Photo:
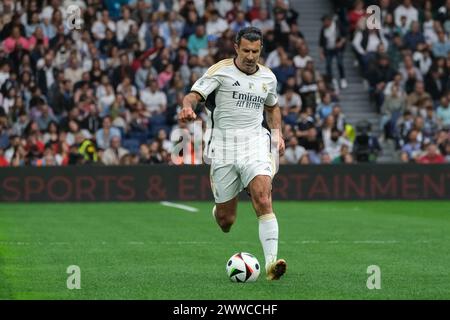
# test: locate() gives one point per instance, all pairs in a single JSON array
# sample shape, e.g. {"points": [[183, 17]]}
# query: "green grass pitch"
{"points": [[149, 251]]}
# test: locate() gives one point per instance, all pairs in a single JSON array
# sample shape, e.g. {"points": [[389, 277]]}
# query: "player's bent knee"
{"points": [[263, 202], [226, 222]]}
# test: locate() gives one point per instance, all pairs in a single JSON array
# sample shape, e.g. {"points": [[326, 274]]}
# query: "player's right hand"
{"points": [[187, 114]]}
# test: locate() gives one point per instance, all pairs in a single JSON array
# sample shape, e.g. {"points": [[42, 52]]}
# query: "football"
{"points": [[243, 267]]}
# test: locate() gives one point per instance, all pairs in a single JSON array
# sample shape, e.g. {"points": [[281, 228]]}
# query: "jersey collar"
{"points": [[249, 74]]}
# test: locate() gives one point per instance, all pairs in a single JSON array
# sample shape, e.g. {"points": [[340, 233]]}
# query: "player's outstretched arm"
{"points": [[273, 118], [190, 101]]}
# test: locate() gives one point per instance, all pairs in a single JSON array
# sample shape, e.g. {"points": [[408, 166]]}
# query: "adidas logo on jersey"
{"points": [[236, 84]]}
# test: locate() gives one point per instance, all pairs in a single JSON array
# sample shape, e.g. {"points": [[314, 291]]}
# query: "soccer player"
{"points": [[236, 93]]}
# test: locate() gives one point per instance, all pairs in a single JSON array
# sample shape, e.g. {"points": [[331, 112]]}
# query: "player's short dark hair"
{"points": [[250, 33]]}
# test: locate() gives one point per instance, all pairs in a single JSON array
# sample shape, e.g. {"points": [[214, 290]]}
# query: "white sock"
{"points": [[268, 235]]}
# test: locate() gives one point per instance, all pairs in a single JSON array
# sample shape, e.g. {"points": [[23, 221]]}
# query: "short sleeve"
{"points": [[272, 96], [205, 85]]}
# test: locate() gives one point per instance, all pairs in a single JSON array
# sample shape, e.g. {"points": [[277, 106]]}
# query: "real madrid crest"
{"points": [[264, 87]]}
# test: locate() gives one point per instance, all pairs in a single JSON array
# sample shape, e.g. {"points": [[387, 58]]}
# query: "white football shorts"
{"points": [[229, 179]]}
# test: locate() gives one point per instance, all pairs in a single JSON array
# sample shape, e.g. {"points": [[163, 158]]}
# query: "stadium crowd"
{"points": [[406, 65], [110, 91]]}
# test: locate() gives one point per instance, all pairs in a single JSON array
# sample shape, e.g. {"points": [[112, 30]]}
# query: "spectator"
{"points": [[126, 88], [422, 58], [33, 21], [52, 133], [74, 71], [402, 28], [393, 107], [293, 152], [332, 45], [339, 118], [285, 70], [254, 11], [366, 43], [3, 161], [431, 156], [412, 149], [21, 124], [145, 72], [408, 11], [333, 146], [46, 117], [394, 51], [274, 58], [239, 22], [281, 27], [356, 14], [198, 41], [165, 143], [326, 128], [302, 57], [73, 131], [38, 37], [192, 20], [165, 76], [109, 42], [304, 123], [4, 137], [429, 26], [45, 74], [325, 108], [389, 29], [435, 84], [312, 143], [443, 11], [325, 158], [124, 25], [431, 122], [153, 98], [216, 25], [443, 113], [144, 154], [155, 153], [447, 152], [305, 159], [16, 42], [441, 47], [123, 70], [290, 104], [416, 98], [232, 13], [264, 23], [308, 90], [414, 37], [101, 25], [104, 135], [410, 74], [344, 156], [172, 25], [114, 153]]}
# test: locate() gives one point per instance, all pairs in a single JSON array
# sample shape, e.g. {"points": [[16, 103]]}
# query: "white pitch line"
{"points": [[182, 243], [179, 206]]}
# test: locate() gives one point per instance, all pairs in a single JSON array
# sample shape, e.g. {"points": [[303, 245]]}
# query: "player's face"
{"points": [[248, 53]]}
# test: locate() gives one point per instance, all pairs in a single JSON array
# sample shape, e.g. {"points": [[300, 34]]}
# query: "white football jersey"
{"points": [[235, 104]]}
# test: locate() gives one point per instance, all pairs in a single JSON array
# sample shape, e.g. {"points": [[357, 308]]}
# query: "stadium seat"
{"points": [[132, 145], [140, 136]]}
